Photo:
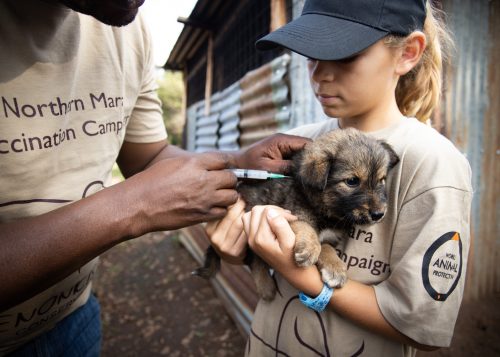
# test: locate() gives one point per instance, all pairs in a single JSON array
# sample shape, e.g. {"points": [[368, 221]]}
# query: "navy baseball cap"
{"points": [[338, 29]]}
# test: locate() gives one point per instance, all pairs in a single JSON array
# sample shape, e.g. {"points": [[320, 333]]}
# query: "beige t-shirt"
{"points": [[415, 258], [71, 91]]}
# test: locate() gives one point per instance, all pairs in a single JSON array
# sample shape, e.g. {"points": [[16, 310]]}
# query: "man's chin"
{"points": [[106, 15], [117, 20]]}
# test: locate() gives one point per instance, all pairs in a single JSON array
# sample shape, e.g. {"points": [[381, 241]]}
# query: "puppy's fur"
{"points": [[338, 181]]}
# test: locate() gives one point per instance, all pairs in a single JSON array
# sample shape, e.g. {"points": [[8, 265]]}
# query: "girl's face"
{"points": [[357, 88]]}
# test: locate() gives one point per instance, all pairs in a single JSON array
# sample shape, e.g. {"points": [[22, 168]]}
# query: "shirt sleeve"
{"points": [[422, 296], [146, 121]]}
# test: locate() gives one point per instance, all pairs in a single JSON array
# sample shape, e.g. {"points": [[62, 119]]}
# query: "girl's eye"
{"points": [[352, 182]]}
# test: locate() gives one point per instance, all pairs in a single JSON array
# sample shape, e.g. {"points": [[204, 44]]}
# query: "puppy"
{"points": [[338, 181]]}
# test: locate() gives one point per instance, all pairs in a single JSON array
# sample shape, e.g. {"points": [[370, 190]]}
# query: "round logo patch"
{"points": [[442, 266]]}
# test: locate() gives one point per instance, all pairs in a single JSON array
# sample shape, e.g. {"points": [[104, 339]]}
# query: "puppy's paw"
{"points": [[306, 254], [335, 276]]}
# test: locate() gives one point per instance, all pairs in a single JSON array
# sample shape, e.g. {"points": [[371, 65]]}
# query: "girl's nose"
{"points": [[321, 71]]}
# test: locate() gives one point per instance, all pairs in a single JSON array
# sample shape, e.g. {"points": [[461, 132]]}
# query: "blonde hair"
{"points": [[418, 92]]}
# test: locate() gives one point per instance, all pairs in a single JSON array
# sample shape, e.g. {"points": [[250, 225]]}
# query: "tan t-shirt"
{"points": [[71, 91], [415, 258]]}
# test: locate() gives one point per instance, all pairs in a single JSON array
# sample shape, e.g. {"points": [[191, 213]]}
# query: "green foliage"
{"points": [[116, 174], [171, 91]]}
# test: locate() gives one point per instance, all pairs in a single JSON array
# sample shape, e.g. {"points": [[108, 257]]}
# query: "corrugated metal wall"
{"points": [[229, 118], [265, 107], [470, 115], [207, 127], [255, 107], [218, 129], [190, 129]]}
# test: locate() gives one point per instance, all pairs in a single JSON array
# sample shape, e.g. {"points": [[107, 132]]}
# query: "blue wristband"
{"points": [[320, 302]]}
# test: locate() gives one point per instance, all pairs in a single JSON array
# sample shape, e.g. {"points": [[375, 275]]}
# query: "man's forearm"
{"points": [[169, 152], [272, 154], [37, 252]]}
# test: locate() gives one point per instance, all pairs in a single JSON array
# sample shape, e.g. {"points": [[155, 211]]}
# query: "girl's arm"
{"points": [[270, 236]]}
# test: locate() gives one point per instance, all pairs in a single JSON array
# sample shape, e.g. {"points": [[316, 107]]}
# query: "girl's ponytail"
{"points": [[419, 91]]}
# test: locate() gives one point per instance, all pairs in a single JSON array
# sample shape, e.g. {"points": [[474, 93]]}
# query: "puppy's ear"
{"points": [[313, 168], [393, 157]]}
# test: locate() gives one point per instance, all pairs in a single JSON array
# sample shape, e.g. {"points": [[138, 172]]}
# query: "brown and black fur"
{"points": [[338, 181]]}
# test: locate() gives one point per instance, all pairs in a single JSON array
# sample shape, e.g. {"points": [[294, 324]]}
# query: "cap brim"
{"points": [[322, 37]]}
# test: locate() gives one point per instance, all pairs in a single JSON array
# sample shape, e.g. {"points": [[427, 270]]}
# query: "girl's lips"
{"points": [[327, 100]]}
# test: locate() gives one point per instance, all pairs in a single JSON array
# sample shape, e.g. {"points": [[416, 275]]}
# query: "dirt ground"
{"points": [[152, 306]]}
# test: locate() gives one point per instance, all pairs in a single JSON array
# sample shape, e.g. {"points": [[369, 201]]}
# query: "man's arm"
{"points": [[37, 252], [272, 154], [167, 188], [135, 157]]}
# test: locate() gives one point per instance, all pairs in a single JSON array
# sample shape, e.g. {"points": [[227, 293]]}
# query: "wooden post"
{"points": [[210, 72], [278, 14]]}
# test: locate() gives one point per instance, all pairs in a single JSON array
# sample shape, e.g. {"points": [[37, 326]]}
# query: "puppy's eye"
{"points": [[352, 182]]}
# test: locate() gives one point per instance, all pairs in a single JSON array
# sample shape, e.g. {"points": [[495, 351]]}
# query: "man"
{"points": [[76, 96]]}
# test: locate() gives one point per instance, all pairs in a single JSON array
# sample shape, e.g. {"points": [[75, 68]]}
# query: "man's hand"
{"points": [[271, 154], [178, 192]]}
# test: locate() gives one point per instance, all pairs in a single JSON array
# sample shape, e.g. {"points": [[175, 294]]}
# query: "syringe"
{"points": [[257, 174]]}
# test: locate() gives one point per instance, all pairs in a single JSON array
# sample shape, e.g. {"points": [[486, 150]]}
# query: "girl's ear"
{"points": [[411, 52]]}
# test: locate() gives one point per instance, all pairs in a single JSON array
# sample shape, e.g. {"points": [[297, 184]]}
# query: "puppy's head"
{"points": [[343, 174]]}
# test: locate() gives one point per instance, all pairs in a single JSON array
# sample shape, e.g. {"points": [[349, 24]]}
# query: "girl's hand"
{"points": [[271, 237], [276, 248], [227, 235]]}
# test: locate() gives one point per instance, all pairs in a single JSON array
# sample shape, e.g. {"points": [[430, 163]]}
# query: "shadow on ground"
{"points": [[152, 306]]}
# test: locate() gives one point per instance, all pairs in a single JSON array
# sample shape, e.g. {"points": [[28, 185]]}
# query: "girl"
{"points": [[374, 66]]}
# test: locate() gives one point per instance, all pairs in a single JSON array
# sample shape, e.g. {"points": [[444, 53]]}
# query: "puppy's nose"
{"points": [[376, 216]]}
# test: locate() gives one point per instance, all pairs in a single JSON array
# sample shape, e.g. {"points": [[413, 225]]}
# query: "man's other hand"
{"points": [[271, 154]]}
